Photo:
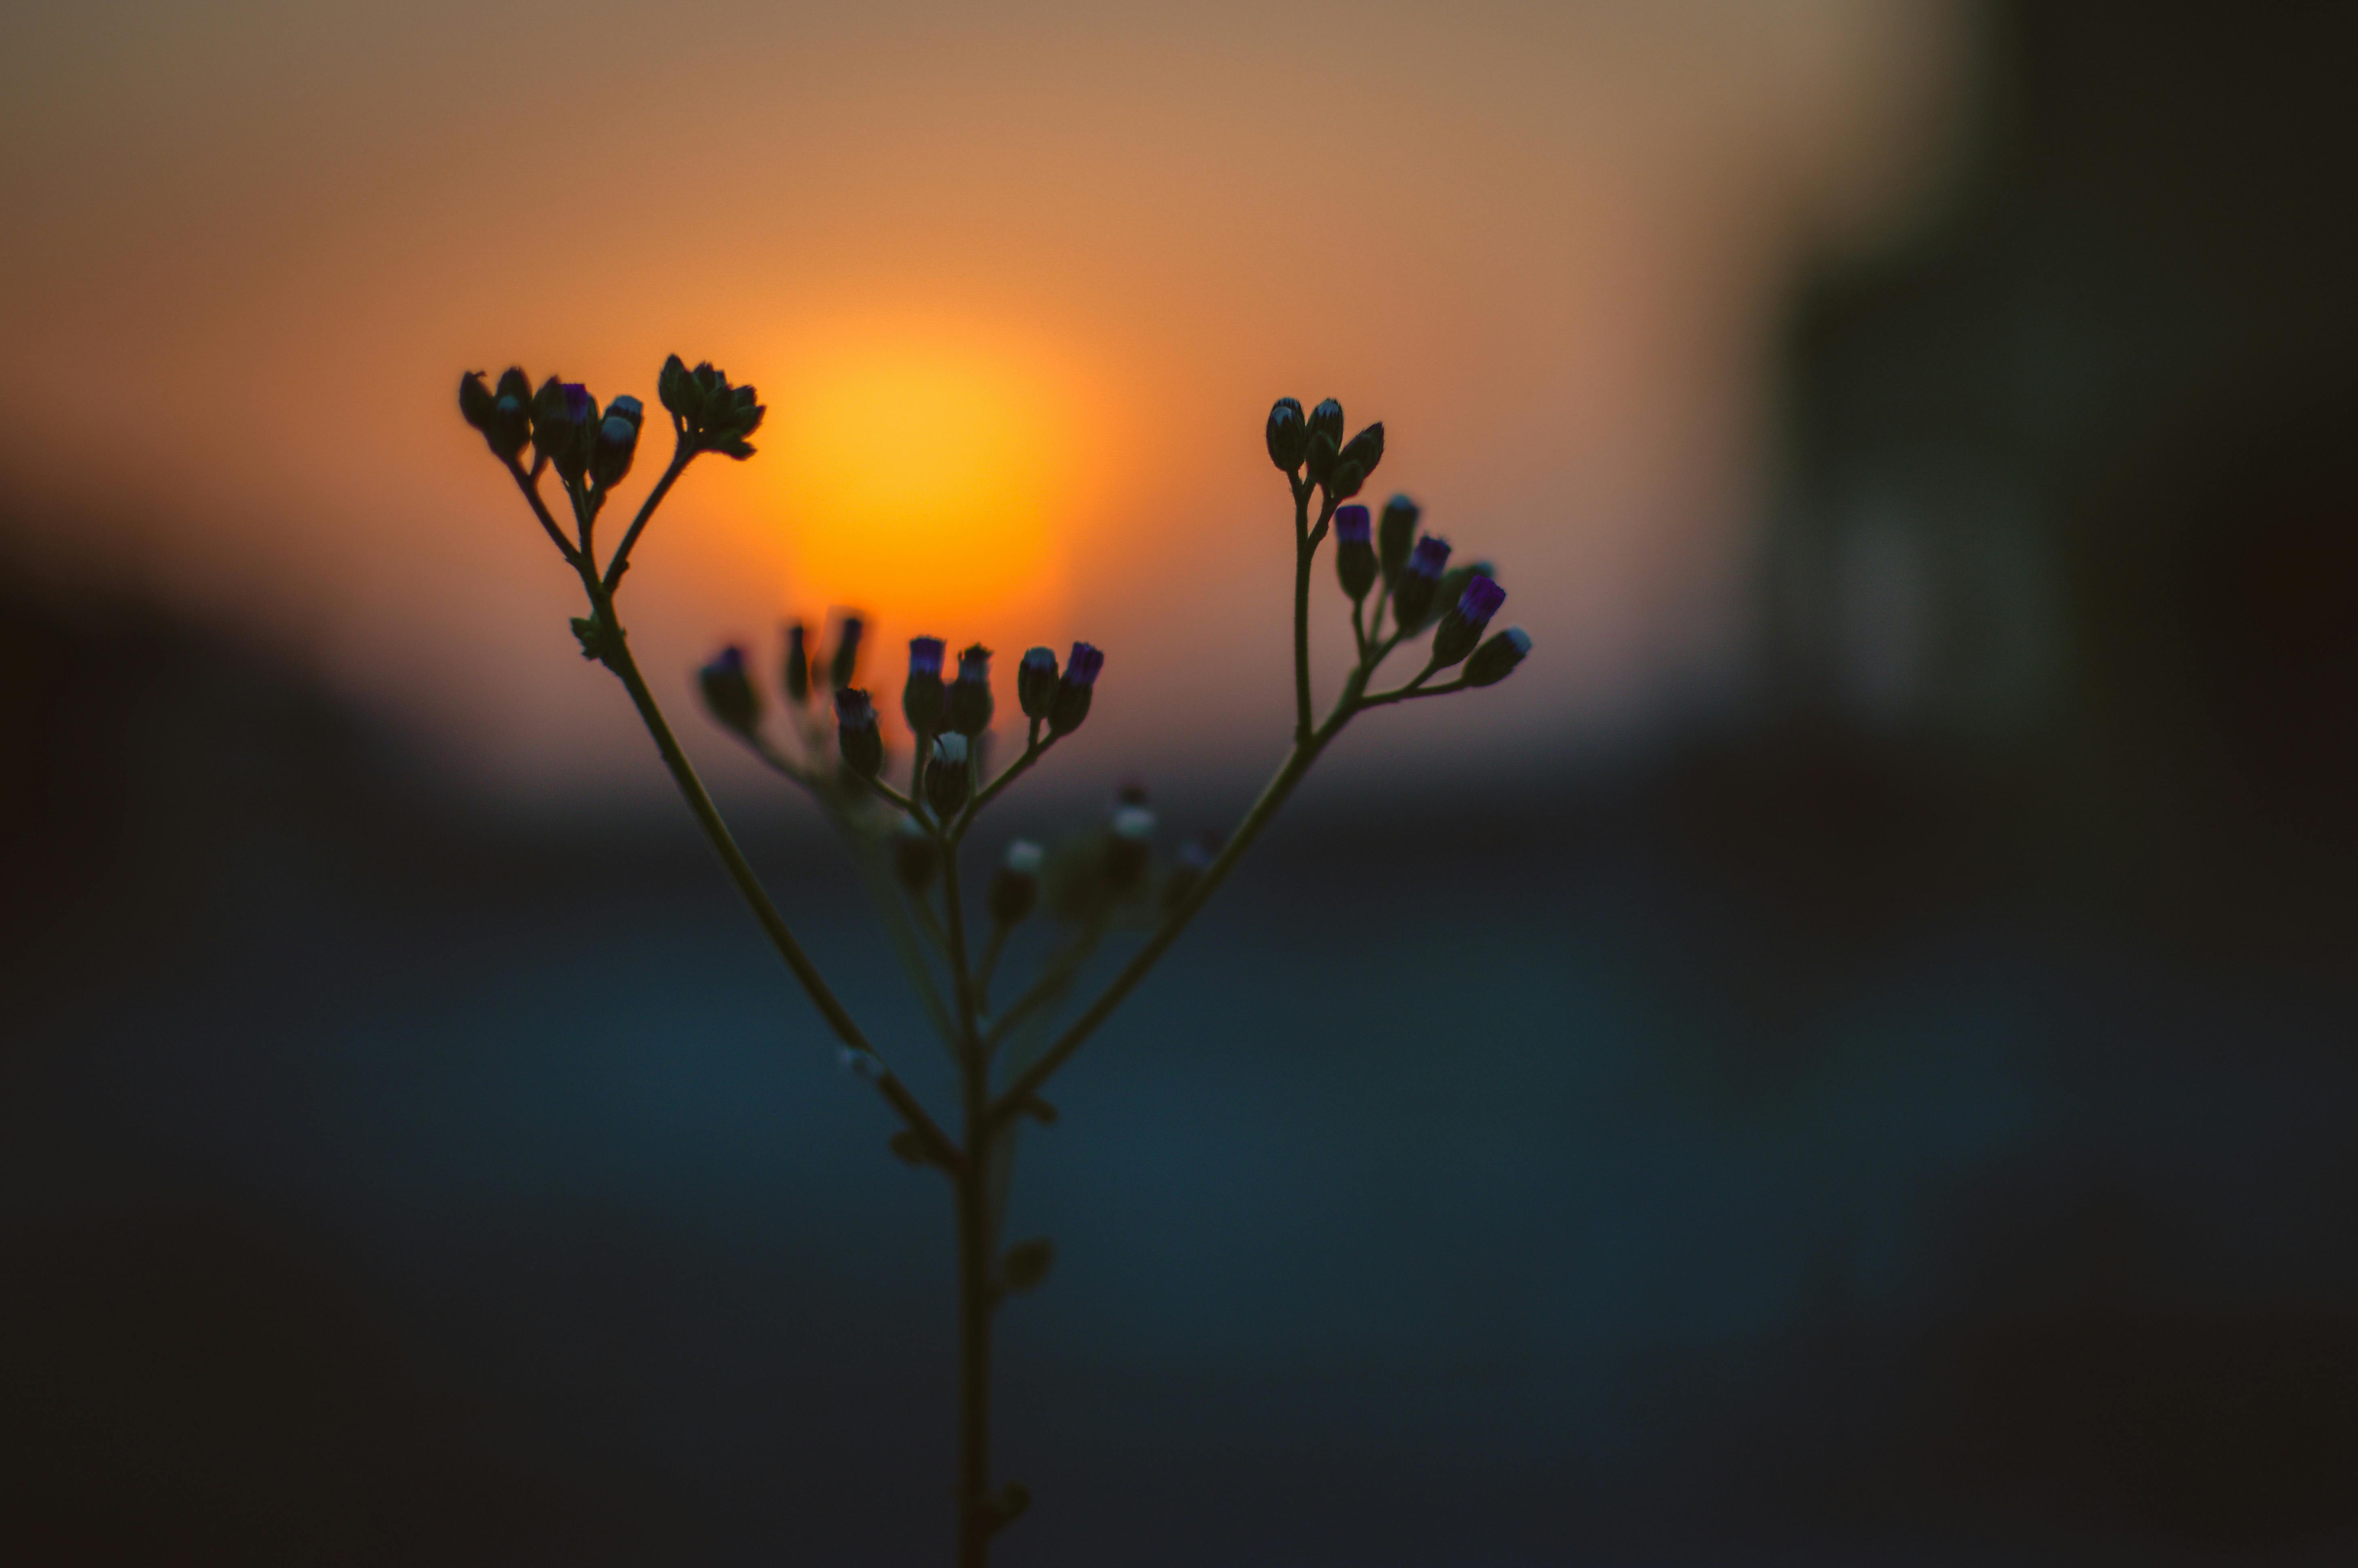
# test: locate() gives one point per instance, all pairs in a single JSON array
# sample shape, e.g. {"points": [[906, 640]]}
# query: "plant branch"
{"points": [[677, 467], [616, 654]]}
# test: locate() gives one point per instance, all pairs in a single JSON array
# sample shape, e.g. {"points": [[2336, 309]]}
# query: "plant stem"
{"points": [[976, 1517], [677, 466], [1010, 1102], [1300, 614], [616, 656]]}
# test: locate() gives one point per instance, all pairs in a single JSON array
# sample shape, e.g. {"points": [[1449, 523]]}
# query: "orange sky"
{"points": [[1017, 289]]}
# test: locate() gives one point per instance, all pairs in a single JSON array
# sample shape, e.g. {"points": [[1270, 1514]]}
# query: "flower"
{"points": [[1015, 886], [1287, 435], [1073, 693], [1494, 660], [1412, 595], [1036, 683], [618, 439], [923, 697], [946, 776], [798, 672], [1462, 626], [727, 692], [845, 666], [970, 702], [1396, 535], [1355, 558]]}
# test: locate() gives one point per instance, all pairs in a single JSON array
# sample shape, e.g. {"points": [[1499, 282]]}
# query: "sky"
{"points": [[1018, 288]]}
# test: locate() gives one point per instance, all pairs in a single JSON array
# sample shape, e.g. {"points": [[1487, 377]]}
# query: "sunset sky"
{"points": [[1018, 289]]}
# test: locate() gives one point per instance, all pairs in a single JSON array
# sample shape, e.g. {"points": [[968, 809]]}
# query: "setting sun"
{"points": [[928, 482]]}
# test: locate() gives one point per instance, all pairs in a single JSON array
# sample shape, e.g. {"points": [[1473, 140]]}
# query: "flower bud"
{"points": [[1015, 886], [846, 663], [1354, 556], [1412, 595], [923, 697], [1036, 683], [856, 735], [798, 685], [1366, 449], [1287, 435], [1494, 660], [917, 856], [1344, 480], [1455, 580], [1326, 419], [727, 692], [618, 439], [1072, 703], [946, 776], [1463, 623], [475, 400], [1396, 535], [1318, 456], [970, 703], [510, 421], [1130, 844], [676, 389], [564, 417]]}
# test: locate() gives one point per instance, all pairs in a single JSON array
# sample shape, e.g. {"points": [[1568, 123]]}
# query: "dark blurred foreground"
{"points": [[1905, 1119]]}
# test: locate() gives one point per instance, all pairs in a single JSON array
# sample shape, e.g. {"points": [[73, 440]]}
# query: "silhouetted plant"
{"points": [[1103, 885]]}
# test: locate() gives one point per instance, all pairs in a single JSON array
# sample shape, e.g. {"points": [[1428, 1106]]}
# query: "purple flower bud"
{"points": [[727, 692], [1413, 594], [579, 404], [857, 734], [1355, 558], [1462, 627], [1073, 693], [922, 698]]}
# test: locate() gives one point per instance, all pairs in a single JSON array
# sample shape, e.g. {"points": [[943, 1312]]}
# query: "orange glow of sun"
{"points": [[932, 483]]}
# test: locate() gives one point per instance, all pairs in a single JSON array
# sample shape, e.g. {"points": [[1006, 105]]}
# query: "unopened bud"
{"points": [[1344, 480], [1326, 420], [727, 692], [1412, 595], [946, 776], [1494, 660], [511, 422], [1396, 535], [917, 856], [1130, 844], [676, 390], [856, 735], [1287, 435], [1015, 886], [797, 672], [475, 401], [922, 697], [1366, 449], [1355, 555], [970, 702], [1036, 683], [1318, 457], [1073, 693], [845, 666], [1461, 623], [618, 439]]}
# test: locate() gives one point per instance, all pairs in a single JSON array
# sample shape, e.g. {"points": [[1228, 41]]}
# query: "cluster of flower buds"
{"points": [[503, 414], [803, 662], [1416, 572], [1311, 447], [711, 416]]}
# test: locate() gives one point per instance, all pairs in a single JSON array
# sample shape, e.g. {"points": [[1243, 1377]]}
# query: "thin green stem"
{"points": [[530, 484], [1273, 795], [1414, 688], [1015, 770], [680, 458], [616, 654]]}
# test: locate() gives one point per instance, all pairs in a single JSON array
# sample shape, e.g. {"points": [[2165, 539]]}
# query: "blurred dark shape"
{"points": [[2068, 480]]}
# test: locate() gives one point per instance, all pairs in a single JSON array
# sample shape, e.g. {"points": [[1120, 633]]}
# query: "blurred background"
{"points": [[1846, 1058]]}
